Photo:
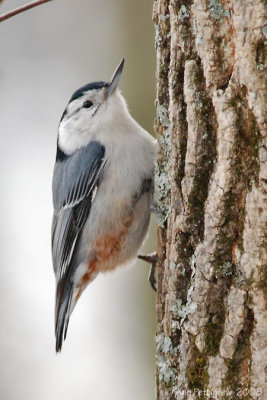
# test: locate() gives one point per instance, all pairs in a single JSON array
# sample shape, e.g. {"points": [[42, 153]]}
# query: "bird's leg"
{"points": [[152, 259]]}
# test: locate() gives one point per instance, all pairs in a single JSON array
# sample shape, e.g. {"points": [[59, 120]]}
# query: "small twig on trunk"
{"points": [[22, 9]]}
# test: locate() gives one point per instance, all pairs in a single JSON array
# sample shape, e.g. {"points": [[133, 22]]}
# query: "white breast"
{"points": [[127, 163]]}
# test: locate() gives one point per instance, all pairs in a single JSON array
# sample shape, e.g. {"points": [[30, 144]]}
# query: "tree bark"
{"points": [[211, 188]]}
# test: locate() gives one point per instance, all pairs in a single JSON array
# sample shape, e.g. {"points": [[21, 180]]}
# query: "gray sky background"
{"points": [[46, 54]]}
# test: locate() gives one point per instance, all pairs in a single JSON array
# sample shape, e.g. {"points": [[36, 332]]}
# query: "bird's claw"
{"points": [[152, 259]]}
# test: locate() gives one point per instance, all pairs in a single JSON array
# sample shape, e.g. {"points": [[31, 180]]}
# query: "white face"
{"points": [[93, 116], [80, 119]]}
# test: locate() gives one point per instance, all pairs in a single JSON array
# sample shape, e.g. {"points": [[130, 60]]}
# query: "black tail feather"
{"points": [[62, 314]]}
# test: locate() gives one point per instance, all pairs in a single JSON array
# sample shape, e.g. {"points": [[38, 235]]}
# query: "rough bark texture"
{"points": [[211, 185]]}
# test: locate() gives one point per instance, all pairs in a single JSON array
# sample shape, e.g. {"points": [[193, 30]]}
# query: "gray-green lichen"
{"points": [[172, 265], [158, 37], [264, 31], [166, 372], [162, 188], [162, 113], [217, 11], [175, 326], [179, 266], [261, 67], [225, 269], [164, 349], [196, 32], [164, 344], [192, 262], [183, 13], [164, 17], [162, 184], [182, 310]]}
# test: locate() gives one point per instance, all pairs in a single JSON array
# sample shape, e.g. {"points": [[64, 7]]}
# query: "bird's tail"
{"points": [[64, 308], [67, 295]]}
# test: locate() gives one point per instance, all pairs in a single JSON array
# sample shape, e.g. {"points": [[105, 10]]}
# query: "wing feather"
{"points": [[73, 184], [76, 177]]}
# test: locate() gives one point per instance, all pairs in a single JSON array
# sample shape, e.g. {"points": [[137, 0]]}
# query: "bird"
{"points": [[102, 192]]}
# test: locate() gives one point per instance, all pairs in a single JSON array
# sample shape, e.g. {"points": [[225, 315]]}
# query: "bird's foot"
{"points": [[152, 259]]}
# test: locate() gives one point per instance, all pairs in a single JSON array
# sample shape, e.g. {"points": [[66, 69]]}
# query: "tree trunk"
{"points": [[211, 186]]}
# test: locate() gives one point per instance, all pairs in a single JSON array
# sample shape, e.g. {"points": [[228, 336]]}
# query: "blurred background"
{"points": [[46, 54]]}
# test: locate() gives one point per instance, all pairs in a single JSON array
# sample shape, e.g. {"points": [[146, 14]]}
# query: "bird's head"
{"points": [[92, 108]]}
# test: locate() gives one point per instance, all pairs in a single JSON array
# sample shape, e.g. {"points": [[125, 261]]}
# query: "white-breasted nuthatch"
{"points": [[102, 192]]}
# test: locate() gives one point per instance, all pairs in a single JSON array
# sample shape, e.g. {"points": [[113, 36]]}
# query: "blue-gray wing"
{"points": [[74, 181]]}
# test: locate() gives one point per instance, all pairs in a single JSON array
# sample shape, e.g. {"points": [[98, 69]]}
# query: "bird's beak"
{"points": [[115, 78]]}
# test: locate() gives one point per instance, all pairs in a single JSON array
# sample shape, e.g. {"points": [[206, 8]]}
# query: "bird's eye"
{"points": [[87, 104]]}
